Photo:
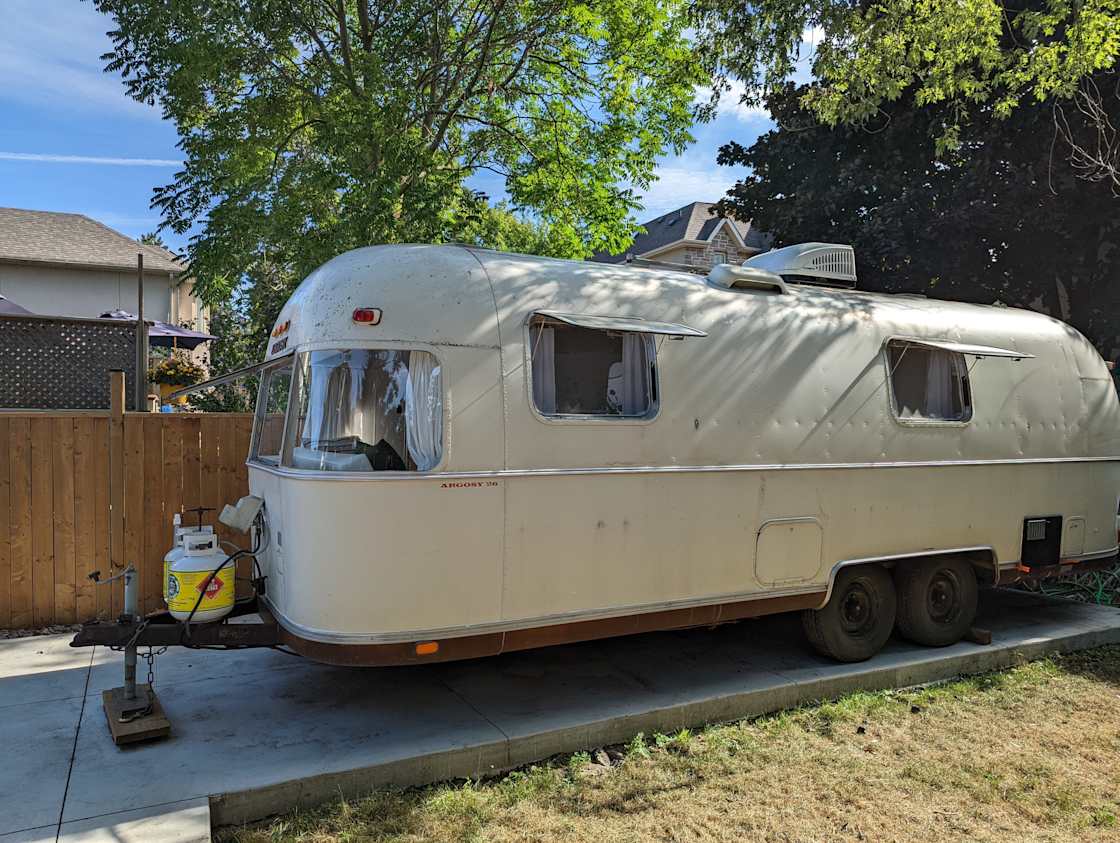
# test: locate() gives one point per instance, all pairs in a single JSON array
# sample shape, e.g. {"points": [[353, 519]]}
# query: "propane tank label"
{"points": [[183, 588]]}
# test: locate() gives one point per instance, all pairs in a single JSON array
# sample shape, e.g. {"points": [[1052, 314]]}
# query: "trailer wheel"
{"points": [[937, 600], [858, 618]]}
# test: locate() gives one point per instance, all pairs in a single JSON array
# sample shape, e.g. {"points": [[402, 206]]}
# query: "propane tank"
{"points": [[176, 551], [190, 574]]}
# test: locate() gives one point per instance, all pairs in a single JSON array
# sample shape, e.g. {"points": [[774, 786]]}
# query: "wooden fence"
{"points": [[93, 490]]}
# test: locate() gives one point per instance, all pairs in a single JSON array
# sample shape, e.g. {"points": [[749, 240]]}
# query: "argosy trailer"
{"points": [[463, 452]]}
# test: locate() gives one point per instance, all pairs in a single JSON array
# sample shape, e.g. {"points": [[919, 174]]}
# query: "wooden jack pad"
{"points": [[147, 727]]}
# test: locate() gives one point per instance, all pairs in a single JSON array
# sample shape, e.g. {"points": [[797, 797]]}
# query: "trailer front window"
{"points": [[272, 406], [368, 410]]}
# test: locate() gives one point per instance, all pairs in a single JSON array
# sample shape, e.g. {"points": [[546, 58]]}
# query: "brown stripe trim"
{"points": [[491, 644]]}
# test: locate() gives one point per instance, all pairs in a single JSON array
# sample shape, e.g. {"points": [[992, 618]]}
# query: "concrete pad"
{"points": [[44, 667], [260, 732], [303, 727], [36, 739], [180, 822]]}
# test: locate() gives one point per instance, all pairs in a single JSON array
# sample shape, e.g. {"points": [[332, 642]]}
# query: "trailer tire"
{"points": [[937, 600], [858, 618]]}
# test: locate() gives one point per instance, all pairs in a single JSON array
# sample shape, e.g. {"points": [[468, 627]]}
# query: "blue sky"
{"points": [[73, 141]]}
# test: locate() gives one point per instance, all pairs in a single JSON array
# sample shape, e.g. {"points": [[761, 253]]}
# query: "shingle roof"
{"points": [[48, 237], [694, 221]]}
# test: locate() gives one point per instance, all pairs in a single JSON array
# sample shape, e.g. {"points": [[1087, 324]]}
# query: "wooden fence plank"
{"points": [[85, 516], [117, 544], [192, 462], [211, 474], [42, 528], [19, 521], [154, 514], [62, 469], [172, 485], [102, 514], [133, 465], [5, 532]]}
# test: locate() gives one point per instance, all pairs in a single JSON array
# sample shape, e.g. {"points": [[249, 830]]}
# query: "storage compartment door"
{"points": [[788, 551]]}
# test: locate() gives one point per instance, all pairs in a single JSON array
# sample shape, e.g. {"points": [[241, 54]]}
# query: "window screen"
{"points": [[928, 384], [587, 372]]}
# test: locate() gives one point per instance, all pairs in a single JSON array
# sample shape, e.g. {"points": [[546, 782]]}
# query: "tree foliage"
{"points": [[312, 126], [870, 53], [995, 219]]}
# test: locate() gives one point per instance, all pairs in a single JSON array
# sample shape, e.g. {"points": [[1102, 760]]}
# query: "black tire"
{"points": [[858, 618], [937, 600]]}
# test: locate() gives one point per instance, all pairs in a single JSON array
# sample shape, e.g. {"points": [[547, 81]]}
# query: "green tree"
{"points": [[870, 53], [995, 219], [311, 127]]}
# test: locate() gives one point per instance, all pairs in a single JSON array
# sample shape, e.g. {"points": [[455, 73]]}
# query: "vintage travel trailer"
{"points": [[463, 452]]}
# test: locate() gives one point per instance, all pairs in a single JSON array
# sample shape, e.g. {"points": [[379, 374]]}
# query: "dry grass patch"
{"points": [[1032, 753]]}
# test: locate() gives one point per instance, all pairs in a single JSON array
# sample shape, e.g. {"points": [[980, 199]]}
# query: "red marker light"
{"points": [[367, 315]]}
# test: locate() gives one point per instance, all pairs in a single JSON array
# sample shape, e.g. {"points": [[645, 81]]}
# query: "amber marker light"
{"points": [[427, 648]]}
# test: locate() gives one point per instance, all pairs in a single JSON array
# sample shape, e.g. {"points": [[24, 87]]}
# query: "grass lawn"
{"points": [[1029, 754]]}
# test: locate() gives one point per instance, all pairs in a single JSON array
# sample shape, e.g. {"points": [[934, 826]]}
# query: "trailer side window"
{"points": [[365, 409], [928, 384], [272, 407], [584, 372]]}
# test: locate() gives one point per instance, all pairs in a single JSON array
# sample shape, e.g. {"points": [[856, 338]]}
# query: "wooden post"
{"points": [[141, 340], [116, 470]]}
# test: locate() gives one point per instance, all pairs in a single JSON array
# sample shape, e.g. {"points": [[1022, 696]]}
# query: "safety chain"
{"points": [[150, 658]]}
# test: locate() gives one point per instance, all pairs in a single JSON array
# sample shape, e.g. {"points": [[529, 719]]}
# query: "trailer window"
{"points": [[588, 372], [272, 406], [368, 410], [928, 384]]}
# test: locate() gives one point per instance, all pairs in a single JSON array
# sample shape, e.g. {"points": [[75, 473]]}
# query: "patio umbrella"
{"points": [[164, 333], [10, 308]]}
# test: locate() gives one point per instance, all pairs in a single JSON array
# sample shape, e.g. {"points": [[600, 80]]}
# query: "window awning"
{"points": [[974, 350], [623, 323], [229, 377]]}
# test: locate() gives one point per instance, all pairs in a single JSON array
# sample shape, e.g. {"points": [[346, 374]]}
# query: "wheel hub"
{"points": [[857, 613], [943, 598]]}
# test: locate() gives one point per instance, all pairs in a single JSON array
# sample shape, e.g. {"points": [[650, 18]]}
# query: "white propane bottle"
{"points": [[176, 551], [190, 575]]}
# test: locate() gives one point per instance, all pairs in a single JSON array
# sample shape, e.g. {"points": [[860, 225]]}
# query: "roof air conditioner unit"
{"points": [[829, 264]]}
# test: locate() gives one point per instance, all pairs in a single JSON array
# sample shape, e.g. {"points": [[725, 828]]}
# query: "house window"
{"points": [[718, 258], [928, 384], [587, 372]]}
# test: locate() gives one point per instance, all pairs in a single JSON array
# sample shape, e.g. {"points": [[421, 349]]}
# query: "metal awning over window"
{"points": [[623, 323], [968, 348]]}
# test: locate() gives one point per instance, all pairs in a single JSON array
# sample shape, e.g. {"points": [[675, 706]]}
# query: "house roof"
{"points": [[57, 239], [694, 222]]}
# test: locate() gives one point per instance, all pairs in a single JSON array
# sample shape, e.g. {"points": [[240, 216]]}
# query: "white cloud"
{"points": [[731, 102], [679, 185], [89, 159], [50, 57]]}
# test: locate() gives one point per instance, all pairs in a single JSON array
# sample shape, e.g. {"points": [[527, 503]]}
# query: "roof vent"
{"points": [[829, 264], [732, 277]]}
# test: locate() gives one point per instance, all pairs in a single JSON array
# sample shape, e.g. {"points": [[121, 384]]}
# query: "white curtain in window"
{"points": [[423, 409], [939, 386], [635, 398], [544, 368]]}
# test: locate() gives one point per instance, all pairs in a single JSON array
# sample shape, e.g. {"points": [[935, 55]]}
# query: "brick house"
{"points": [[693, 237]]}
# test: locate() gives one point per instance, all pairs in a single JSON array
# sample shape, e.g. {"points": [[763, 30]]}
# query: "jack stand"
{"points": [[133, 716]]}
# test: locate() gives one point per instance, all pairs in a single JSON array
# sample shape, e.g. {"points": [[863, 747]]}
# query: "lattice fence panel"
{"points": [[64, 364]]}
